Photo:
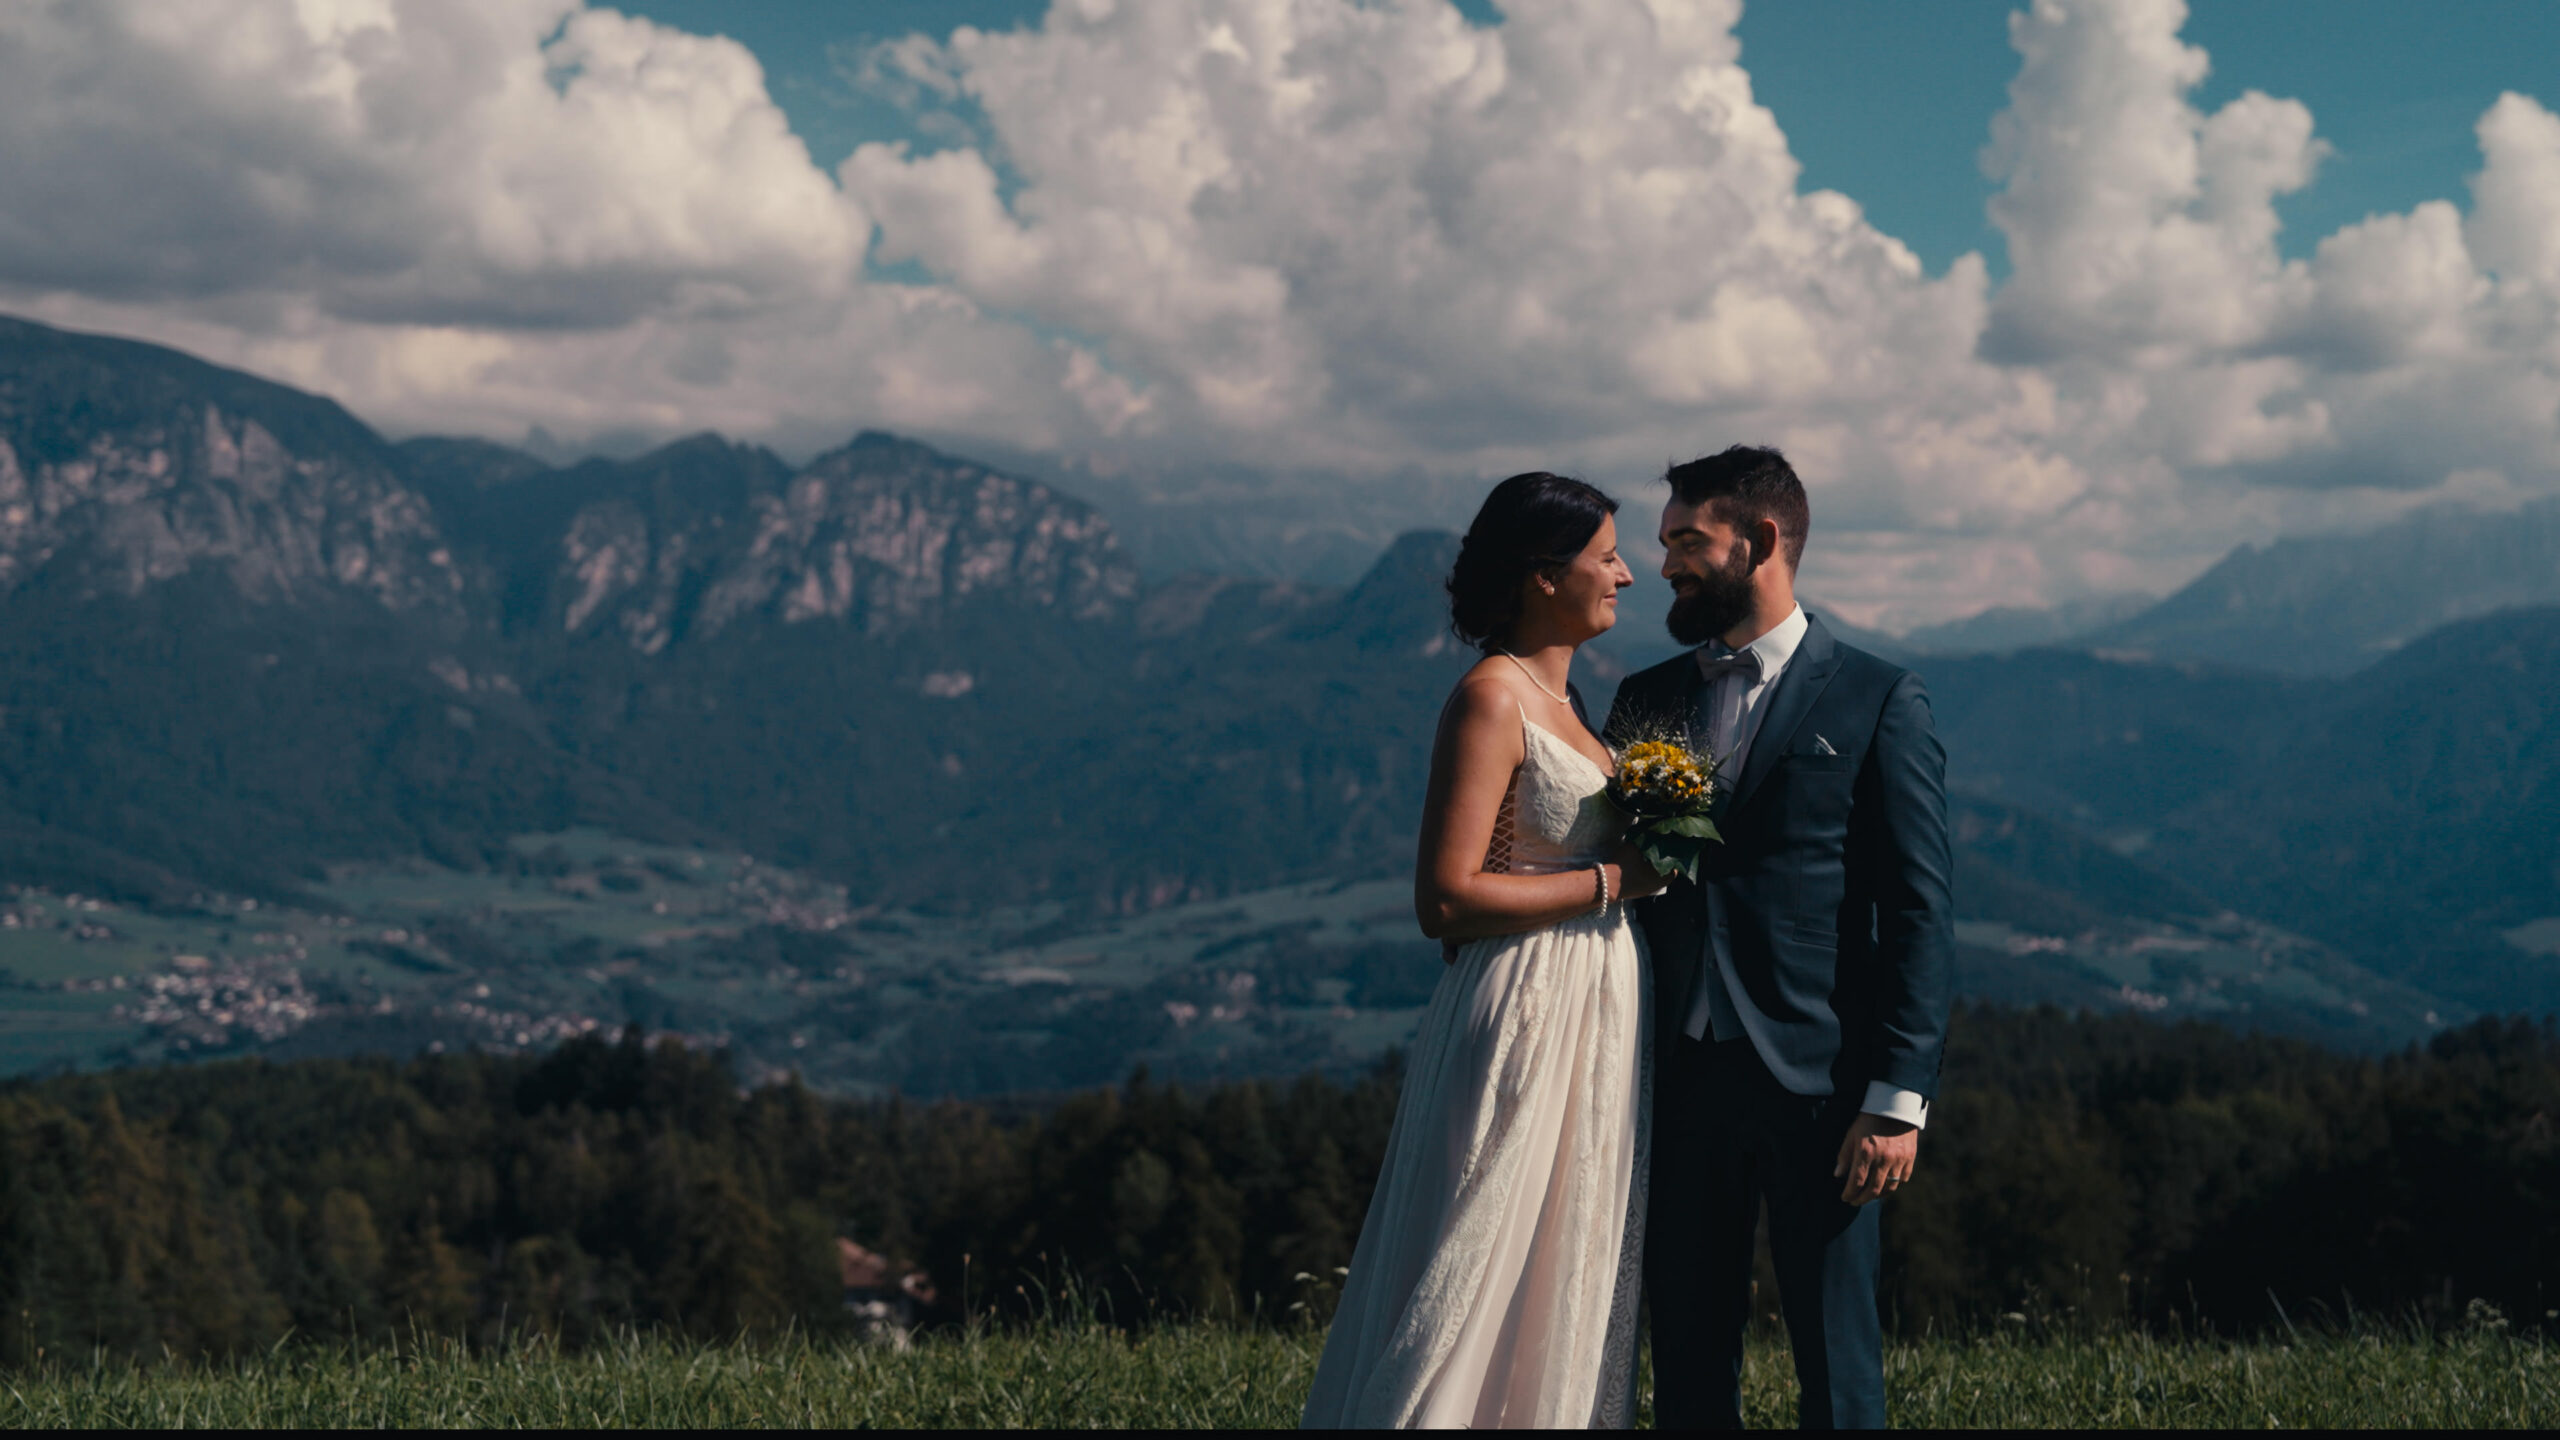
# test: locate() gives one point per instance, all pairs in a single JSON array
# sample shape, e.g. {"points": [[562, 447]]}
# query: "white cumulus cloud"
{"points": [[1368, 239], [495, 163], [2149, 284], [1309, 231]]}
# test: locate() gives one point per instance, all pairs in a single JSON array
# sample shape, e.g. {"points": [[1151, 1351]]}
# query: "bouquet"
{"points": [[1669, 790]]}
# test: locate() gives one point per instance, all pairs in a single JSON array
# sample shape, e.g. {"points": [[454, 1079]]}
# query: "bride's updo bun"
{"points": [[1529, 524]]}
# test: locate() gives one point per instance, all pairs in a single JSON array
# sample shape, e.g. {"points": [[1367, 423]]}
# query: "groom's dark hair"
{"points": [[1746, 485]]}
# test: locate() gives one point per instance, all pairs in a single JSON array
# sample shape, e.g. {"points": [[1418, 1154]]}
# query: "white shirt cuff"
{"points": [[1895, 1103]]}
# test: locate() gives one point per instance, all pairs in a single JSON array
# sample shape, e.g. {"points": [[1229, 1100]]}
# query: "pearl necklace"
{"points": [[1563, 700]]}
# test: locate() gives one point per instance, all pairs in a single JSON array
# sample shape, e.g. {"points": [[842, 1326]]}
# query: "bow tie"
{"points": [[1712, 668]]}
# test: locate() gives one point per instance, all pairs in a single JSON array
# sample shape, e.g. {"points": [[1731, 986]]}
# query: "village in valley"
{"points": [[582, 932]]}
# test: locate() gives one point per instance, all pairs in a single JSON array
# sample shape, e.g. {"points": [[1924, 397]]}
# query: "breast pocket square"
{"points": [[1822, 746]]}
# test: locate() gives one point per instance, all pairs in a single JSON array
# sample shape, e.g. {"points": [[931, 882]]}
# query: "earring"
{"points": [[1549, 588]]}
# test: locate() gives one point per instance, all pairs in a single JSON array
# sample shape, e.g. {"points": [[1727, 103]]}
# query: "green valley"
{"points": [[581, 931]]}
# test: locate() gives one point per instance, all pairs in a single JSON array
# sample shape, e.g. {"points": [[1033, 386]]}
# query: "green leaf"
{"points": [[1672, 855], [1698, 826]]}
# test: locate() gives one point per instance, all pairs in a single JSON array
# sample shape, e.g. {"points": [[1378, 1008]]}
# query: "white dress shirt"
{"points": [[1736, 704]]}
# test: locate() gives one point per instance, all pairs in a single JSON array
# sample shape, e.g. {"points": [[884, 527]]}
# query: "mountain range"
{"points": [[249, 642], [250, 637], [2313, 605], [2006, 628]]}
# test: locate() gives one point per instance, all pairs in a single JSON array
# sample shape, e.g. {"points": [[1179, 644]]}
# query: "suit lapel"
{"points": [[1817, 657]]}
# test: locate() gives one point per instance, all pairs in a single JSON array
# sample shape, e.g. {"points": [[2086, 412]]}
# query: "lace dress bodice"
{"points": [[1557, 816]]}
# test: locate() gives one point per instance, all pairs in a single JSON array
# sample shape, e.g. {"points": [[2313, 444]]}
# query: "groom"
{"points": [[1802, 984]]}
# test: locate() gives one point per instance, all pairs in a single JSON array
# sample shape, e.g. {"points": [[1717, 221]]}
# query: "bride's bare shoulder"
{"points": [[1482, 704], [1484, 690]]}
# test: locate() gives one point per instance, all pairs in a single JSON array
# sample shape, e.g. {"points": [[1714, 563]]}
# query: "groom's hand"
{"points": [[1876, 1156]]}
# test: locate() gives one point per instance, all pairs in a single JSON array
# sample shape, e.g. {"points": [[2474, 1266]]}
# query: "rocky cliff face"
{"points": [[172, 468], [220, 492], [125, 465], [881, 536]]}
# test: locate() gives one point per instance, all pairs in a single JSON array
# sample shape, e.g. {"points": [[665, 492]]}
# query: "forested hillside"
{"points": [[2408, 815], [2077, 1171]]}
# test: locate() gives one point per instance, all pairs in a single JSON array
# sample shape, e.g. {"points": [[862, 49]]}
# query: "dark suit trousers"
{"points": [[1726, 1135]]}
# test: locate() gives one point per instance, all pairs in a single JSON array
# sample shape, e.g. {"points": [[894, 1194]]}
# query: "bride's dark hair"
{"points": [[1530, 524]]}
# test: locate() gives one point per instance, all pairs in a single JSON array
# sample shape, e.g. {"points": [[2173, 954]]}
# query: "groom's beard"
{"points": [[1712, 603]]}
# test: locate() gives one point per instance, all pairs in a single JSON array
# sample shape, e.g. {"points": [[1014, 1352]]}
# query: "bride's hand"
{"points": [[1638, 877]]}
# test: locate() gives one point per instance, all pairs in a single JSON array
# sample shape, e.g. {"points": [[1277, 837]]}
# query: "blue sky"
{"points": [[1890, 101]]}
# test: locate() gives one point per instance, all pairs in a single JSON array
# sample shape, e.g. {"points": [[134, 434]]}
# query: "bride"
{"points": [[1496, 1276]]}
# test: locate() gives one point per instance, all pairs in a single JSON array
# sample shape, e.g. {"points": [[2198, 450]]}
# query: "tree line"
{"points": [[2078, 1171]]}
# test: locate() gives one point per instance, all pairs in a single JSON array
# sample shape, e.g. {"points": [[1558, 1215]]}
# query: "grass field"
{"points": [[1223, 1377]]}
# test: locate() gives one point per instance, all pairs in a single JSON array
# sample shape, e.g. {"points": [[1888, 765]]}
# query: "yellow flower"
{"points": [[1655, 772]]}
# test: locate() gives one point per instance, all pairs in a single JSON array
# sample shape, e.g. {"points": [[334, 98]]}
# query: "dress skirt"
{"points": [[1497, 1273]]}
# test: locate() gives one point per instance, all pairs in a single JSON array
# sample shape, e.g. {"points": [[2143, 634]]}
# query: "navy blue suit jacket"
{"points": [[1838, 942]]}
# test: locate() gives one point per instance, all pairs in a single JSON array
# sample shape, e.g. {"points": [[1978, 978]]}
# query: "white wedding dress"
{"points": [[1496, 1277]]}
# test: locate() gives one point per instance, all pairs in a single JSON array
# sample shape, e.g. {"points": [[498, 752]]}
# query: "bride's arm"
{"points": [[1479, 748]]}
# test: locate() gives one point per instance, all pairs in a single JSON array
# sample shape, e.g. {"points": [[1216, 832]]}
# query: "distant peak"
{"points": [[877, 447], [1426, 549], [884, 440], [705, 445]]}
